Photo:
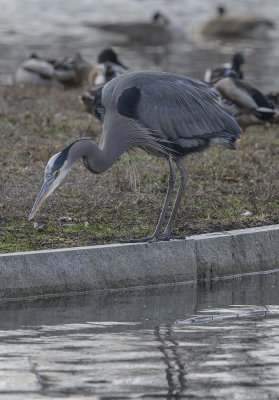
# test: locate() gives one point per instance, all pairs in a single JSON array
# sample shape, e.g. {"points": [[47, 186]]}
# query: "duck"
{"points": [[236, 26], [108, 67], [251, 106], [157, 31], [273, 98], [72, 71], [37, 71], [212, 75]]}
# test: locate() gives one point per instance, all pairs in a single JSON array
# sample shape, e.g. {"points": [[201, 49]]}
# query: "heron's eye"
{"points": [[56, 173]]}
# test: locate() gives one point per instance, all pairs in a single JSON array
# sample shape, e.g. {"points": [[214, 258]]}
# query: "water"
{"points": [[56, 29], [217, 340]]}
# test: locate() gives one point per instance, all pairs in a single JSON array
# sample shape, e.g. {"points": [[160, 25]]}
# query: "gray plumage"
{"points": [[165, 114]]}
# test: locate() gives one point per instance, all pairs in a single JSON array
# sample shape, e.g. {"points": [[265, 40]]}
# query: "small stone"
{"points": [[65, 219], [39, 228], [246, 214], [86, 223]]}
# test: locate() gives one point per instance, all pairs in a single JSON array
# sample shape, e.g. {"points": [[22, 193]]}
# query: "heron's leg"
{"points": [[167, 232], [172, 179]]}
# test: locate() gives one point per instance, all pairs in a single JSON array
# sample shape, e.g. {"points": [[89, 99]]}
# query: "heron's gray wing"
{"points": [[181, 113], [184, 111]]}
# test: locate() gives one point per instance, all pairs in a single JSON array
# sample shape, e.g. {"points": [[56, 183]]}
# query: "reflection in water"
{"points": [[175, 368], [172, 342]]}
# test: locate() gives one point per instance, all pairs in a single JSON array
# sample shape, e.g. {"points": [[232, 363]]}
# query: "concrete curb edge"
{"points": [[83, 269]]}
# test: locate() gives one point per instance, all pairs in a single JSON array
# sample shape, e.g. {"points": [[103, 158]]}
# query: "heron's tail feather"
{"points": [[228, 143]]}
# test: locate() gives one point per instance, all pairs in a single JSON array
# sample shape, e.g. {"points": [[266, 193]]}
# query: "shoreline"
{"points": [[121, 266]]}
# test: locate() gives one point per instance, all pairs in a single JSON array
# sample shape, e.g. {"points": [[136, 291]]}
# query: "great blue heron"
{"points": [[213, 75], [38, 71], [251, 106], [228, 25], [165, 114]]}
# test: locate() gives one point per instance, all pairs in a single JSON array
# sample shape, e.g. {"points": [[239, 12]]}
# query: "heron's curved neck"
{"points": [[96, 159]]}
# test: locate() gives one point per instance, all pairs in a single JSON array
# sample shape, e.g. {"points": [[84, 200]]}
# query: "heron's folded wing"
{"points": [[185, 108]]}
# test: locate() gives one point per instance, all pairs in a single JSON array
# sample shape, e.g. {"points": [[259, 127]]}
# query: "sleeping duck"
{"points": [[251, 106], [52, 73], [212, 75], [72, 71], [36, 71], [236, 26]]}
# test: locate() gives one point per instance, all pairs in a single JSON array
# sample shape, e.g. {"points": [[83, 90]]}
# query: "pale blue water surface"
{"points": [[216, 340]]}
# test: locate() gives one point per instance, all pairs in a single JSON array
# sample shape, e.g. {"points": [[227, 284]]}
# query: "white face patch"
{"points": [[51, 172], [49, 167]]}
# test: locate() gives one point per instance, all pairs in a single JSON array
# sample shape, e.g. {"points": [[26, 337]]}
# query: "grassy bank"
{"points": [[226, 189]]}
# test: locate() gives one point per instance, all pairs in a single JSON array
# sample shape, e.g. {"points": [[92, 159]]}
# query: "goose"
{"points": [[156, 32], [227, 69], [236, 26], [108, 67], [251, 106]]}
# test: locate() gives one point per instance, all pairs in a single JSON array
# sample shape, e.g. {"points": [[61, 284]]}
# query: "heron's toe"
{"points": [[165, 236], [140, 240]]}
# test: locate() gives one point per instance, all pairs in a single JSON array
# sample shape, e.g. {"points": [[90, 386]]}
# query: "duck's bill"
{"points": [[44, 193], [121, 65]]}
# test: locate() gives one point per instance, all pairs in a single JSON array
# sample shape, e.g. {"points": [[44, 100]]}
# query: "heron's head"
{"points": [[57, 168]]}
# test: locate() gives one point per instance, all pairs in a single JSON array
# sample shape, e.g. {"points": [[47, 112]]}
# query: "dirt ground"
{"points": [[226, 189]]}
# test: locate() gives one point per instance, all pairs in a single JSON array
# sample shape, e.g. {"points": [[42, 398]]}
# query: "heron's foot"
{"points": [[140, 240], [163, 236]]}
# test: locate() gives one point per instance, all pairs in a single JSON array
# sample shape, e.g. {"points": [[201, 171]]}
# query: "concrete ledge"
{"points": [[128, 265]]}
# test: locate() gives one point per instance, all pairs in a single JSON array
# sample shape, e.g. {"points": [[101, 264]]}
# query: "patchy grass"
{"points": [[125, 201]]}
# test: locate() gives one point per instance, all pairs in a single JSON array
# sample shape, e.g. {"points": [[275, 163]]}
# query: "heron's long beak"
{"points": [[44, 193]]}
